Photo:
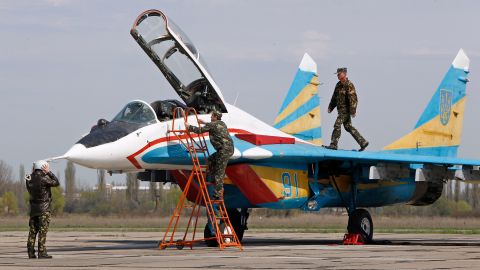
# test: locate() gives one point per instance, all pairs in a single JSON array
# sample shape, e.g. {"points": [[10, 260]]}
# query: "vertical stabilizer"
{"points": [[300, 111], [439, 129]]}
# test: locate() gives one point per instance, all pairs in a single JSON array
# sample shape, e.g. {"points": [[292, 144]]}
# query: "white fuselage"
{"points": [[125, 154]]}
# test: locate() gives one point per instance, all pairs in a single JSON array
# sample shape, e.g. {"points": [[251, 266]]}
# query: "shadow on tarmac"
{"points": [[259, 242]]}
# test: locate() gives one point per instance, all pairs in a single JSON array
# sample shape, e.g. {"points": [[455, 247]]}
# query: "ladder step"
{"points": [[231, 244], [216, 201], [221, 218]]}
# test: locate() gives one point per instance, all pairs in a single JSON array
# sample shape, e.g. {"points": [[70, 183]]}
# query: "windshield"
{"points": [[177, 62], [136, 112]]}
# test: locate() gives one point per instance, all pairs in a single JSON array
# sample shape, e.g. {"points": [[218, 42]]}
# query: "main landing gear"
{"points": [[359, 220]]}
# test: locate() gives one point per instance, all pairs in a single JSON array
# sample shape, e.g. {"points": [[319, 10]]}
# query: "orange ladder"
{"points": [[222, 228]]}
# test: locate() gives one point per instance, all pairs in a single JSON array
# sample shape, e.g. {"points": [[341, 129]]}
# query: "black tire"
{"points": [[361, 222], [207, 234], [236, 219]]}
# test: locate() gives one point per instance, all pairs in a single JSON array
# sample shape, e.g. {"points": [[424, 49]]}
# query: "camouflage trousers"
{"points": [[217, 163], [38, 225], [346, 120]]}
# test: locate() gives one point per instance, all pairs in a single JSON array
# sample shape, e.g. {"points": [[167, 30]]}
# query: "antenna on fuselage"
{"points": [[235, 102]]}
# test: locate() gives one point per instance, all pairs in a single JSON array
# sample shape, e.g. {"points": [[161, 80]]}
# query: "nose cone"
{"points": [[78, 154], [110, 156]]}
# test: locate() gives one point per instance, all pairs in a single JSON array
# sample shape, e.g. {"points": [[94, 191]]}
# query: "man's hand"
{"points": [[200, 121], [329, 110], [46, 168], [186, 125]]}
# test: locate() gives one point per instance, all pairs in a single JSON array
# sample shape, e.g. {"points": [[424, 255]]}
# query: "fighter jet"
{"points": [[279, 166]]}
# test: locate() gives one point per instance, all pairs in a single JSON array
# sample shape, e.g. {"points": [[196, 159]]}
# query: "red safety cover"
{"points": [[265, 139]]}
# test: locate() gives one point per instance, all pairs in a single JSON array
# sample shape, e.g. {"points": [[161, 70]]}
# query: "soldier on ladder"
{"points": [[218, 221], [223, 144]]}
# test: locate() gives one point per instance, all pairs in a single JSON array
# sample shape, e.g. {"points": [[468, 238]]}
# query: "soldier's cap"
{"points": [[217, 114], [342, 69]]}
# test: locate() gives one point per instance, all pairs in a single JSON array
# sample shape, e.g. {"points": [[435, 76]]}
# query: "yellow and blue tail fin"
{"points": [[439, 129], [300, 111]]}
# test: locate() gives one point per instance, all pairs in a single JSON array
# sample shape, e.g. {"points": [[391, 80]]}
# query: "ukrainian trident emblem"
{"points": [[445, 105]]}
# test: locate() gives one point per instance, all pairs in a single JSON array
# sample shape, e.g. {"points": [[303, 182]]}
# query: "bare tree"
{"points": [[101, 184], [155, 195], [475, 195], [21, 188], [5, 177], [132, 188], [69, 186], [457, 191]]}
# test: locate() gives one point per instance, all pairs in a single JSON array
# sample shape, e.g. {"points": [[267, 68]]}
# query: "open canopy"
{"points": [[178, 59]]}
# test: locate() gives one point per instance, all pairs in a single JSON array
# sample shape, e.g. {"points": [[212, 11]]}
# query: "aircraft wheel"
{"points": [[207, 233], [360, 222], [236, 220]]}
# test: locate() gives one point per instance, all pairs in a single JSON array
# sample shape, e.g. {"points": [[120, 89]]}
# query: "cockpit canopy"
{"points": [[135, 115], [179, 61], [136, 112]]}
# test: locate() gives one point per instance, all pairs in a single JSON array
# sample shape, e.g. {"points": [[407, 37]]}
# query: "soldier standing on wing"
{"points": [[345, 100]]}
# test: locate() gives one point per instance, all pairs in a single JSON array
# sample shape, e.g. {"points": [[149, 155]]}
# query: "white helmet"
{"points": [[39, 164]]}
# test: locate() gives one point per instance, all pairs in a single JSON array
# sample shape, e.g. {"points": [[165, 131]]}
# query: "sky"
{"points": [[64, 64]]}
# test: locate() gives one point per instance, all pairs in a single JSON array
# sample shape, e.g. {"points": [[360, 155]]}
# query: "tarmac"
{"points": [[138, 250]]}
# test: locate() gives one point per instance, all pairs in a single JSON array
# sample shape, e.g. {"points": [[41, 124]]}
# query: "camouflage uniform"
{"points": [[38, 225], [38, 185], [345, 100], [223, 144]]}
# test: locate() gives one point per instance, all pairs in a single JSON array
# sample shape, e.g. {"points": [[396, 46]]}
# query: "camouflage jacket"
{"points": [[219, 136], [344, 98], [38, 185]]}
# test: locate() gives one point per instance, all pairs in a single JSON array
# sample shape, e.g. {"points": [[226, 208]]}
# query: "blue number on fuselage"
{"points": [[287, 184]]}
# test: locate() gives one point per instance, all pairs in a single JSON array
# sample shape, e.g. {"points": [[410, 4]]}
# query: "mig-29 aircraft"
{"points": [[281, 166]]}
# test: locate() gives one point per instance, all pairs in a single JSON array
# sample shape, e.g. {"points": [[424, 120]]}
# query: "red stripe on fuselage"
{"points": [[250, 184], [132, 157]]}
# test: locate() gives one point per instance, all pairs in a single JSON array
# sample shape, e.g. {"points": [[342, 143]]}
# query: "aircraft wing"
{"points": [[373, 157], [179, 60], [378, 165]]}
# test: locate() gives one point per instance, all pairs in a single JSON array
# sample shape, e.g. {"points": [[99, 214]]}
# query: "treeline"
{"points": [[101, 201], [457, 199]]}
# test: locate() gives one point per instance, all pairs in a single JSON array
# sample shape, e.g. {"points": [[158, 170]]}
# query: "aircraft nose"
{"points": [[77, 153]]}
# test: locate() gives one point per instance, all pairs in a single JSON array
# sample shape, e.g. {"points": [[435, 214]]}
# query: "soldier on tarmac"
{"points": [[223, 144], [38, 185], [345, 100]]}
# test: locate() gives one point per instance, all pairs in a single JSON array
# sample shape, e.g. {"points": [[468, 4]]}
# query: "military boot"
{"points": [[331, 146], [31, 253], [44, 255], [363, 146]]}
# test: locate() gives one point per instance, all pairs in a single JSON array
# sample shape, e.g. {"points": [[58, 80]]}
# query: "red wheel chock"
{"points": [[353, 239]]}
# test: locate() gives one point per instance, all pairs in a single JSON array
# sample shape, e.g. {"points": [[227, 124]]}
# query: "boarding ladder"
{"points": [[225, 236]]}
